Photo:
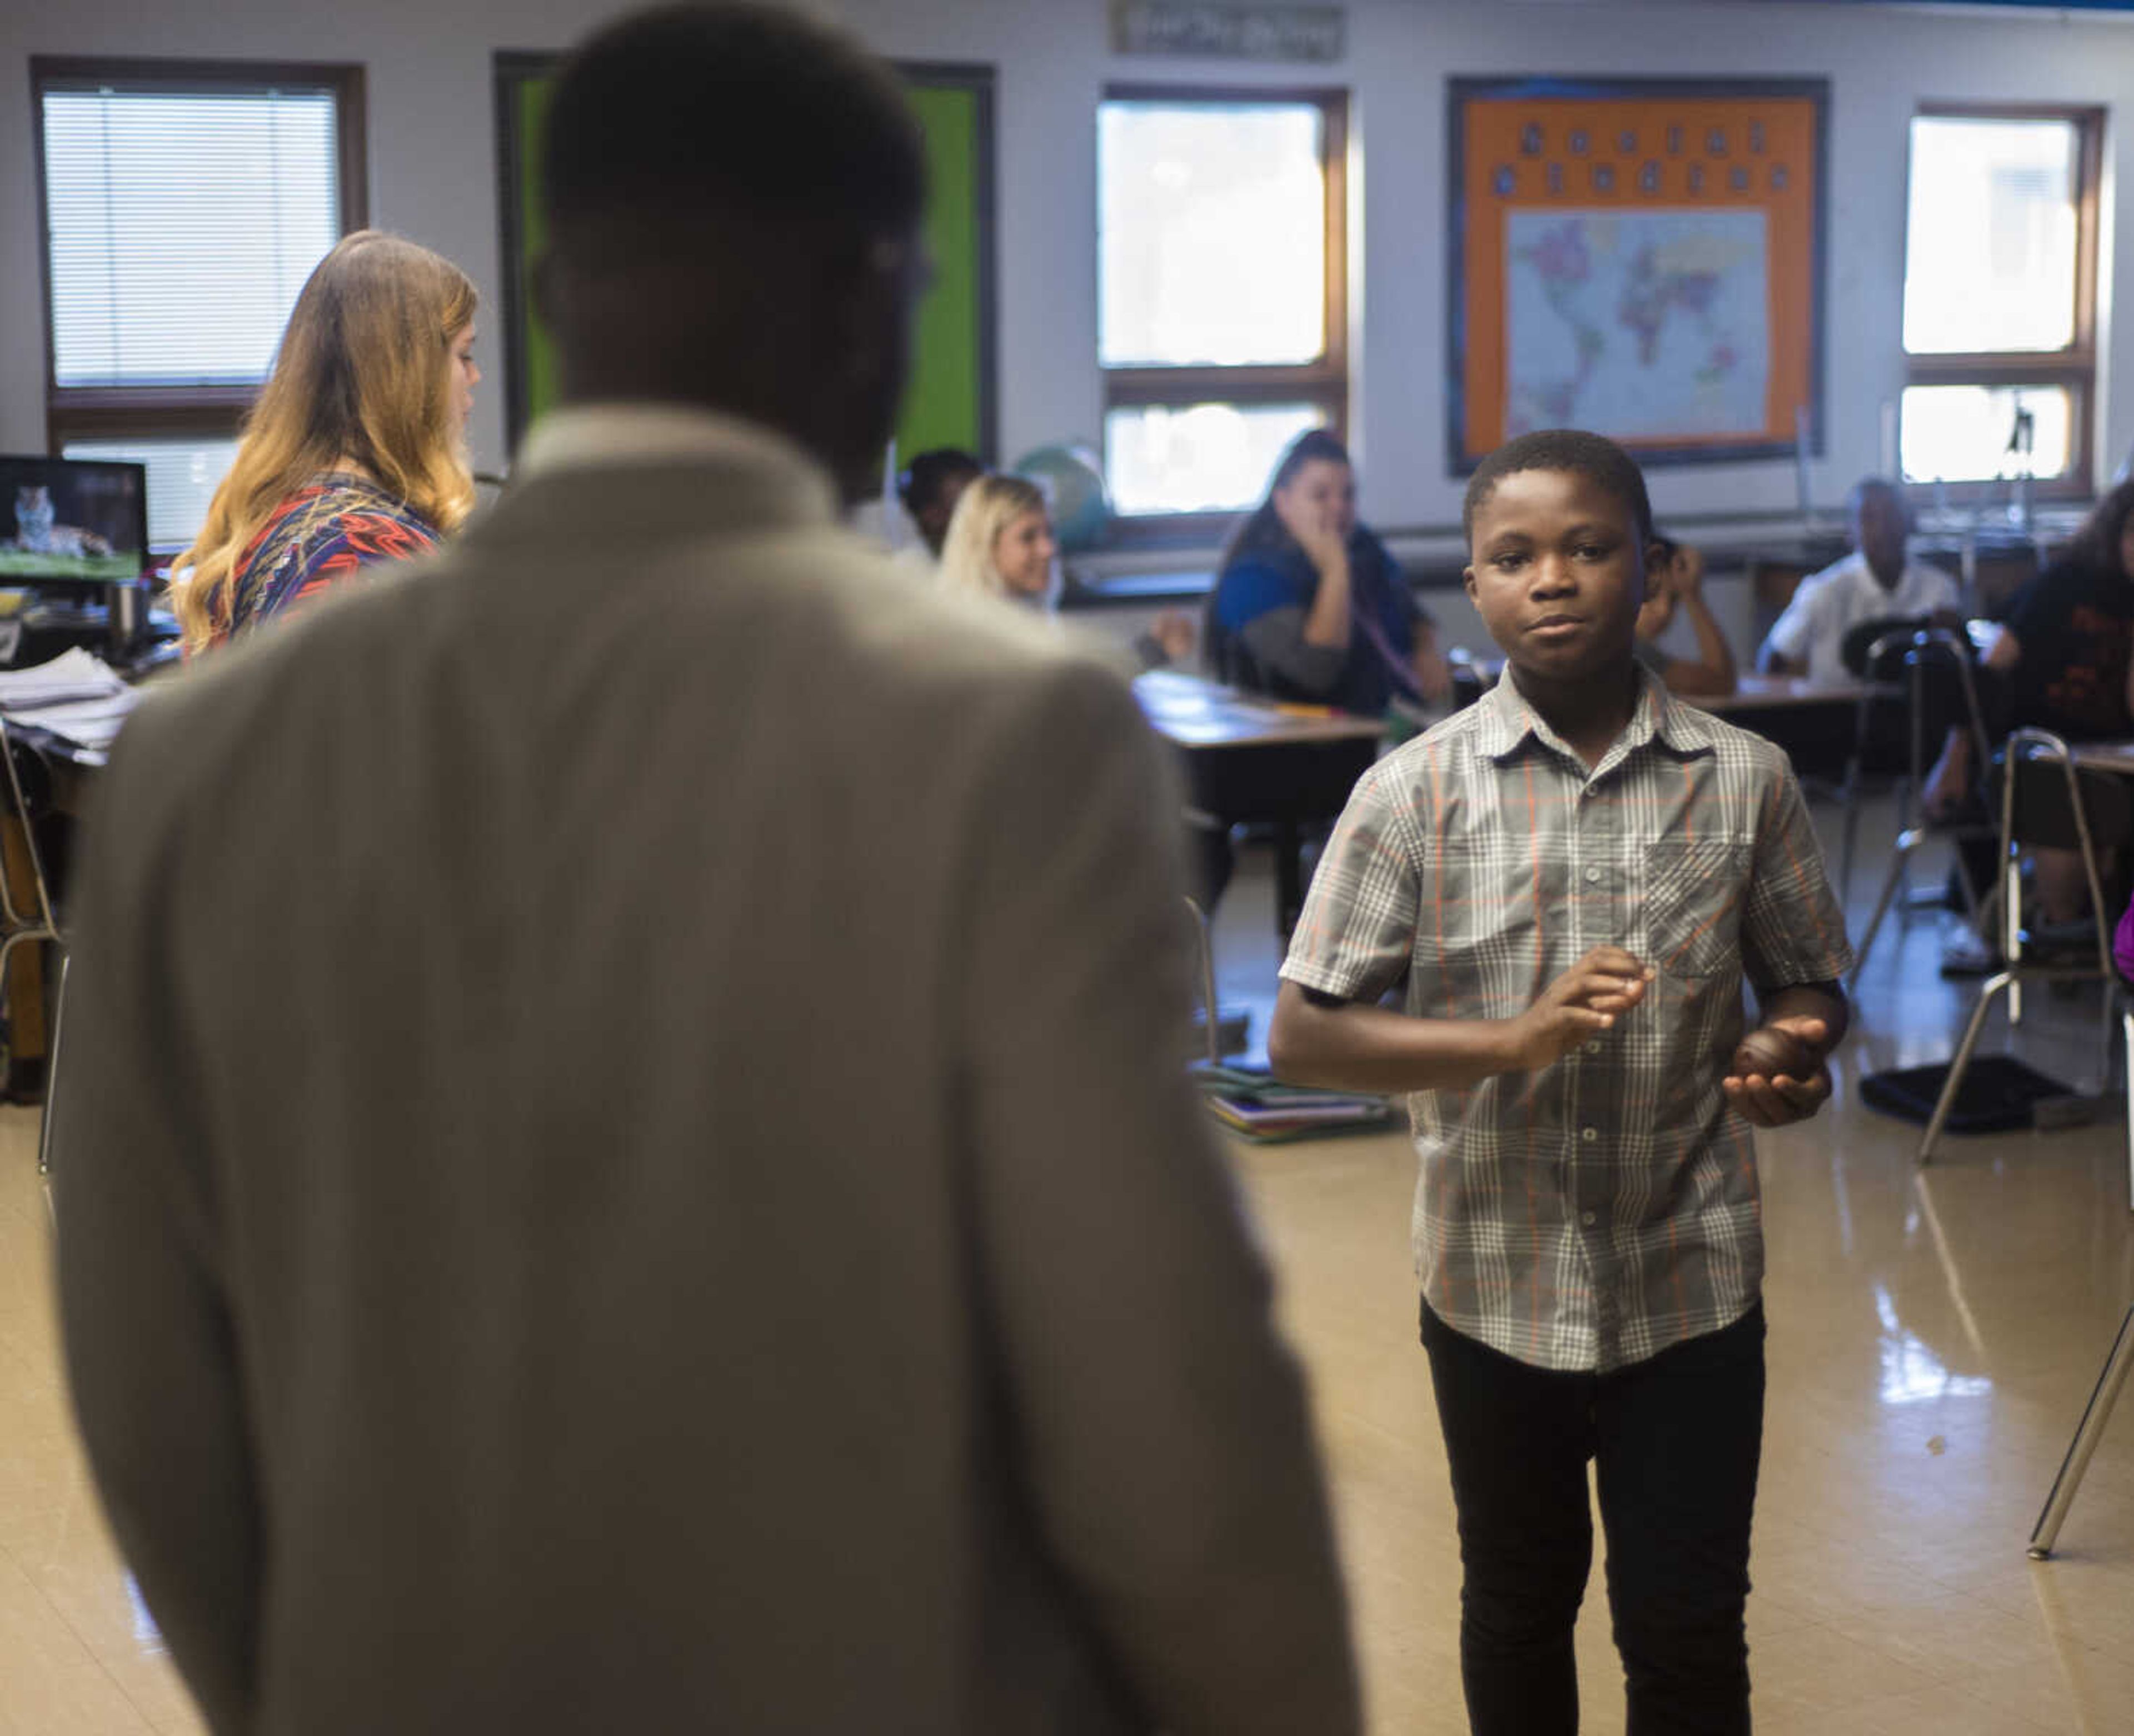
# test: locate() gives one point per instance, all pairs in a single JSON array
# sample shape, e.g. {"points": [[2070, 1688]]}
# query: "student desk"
{"points": [[1248, 761]]}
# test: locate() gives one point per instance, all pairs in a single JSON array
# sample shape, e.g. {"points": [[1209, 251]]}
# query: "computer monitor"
{"points": [[72, 518]]}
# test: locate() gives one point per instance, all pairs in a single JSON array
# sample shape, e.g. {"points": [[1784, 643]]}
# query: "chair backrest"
{"points": [[25, 797], [1941, 693], [1872, 651], [2048, 801]]}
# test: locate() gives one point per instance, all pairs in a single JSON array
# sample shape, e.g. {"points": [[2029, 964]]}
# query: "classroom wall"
{"points": [[433, 174]]}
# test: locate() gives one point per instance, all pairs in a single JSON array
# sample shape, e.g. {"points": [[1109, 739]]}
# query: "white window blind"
{"points": [[183, 225]]}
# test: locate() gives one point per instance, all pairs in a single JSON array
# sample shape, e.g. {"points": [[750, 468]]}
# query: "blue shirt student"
{"points": [[1273, 627], [1256, 629]]}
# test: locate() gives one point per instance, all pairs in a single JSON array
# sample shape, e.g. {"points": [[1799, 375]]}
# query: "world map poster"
{"points": [[1643, 261]]}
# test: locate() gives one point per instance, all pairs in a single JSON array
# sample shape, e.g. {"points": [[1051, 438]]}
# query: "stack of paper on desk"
{"points": [[76, 694], [1261, 1109]]}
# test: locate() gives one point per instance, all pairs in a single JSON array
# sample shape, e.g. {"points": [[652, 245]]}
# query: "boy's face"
{"points": [[1559, 573]]}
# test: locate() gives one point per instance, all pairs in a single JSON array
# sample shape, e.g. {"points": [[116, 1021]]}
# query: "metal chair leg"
{"points": [[1209, 1019], [1957, 1068], [1895, 879], [2095, 1415], [2127, 1095], [52, 1072]]}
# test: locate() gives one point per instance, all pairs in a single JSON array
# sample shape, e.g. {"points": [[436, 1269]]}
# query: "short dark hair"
{"points": [[742, 108], [920, 484], [1593, 456]]}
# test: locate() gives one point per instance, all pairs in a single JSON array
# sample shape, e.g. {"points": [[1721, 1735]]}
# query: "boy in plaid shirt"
{"points": [[1573, 877]]}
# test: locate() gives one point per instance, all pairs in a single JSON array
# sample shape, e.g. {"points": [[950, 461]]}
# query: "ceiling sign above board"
{"points": [[1236, 31]]}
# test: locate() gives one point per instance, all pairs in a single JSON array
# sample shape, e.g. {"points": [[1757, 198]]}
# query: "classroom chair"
{"points": [[27, 915], [1933, 663], [2045, 801]]}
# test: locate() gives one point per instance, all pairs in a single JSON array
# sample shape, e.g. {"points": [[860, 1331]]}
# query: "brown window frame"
{"points": [[1324, 381], [81, 413], [2073, 368]]}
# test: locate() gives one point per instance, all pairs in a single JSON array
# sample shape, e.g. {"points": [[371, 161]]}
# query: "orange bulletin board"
{"points": [[1641, 258]]}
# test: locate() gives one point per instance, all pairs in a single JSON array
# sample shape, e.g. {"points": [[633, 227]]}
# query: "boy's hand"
{"points": [[1778, 1073], [1585, 1000]]}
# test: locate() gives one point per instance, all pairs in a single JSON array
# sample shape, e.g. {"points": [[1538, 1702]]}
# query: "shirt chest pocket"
{"points": [[1690, 904]]}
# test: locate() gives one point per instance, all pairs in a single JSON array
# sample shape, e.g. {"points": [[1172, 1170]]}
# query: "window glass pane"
{"points": [[1201, 458], [182, 227], [1990, 248], [1211, 234], [1961, 433], [183, 474]]}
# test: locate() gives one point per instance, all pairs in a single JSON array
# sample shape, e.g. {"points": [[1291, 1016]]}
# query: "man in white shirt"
{"points": [[1874, 582]]}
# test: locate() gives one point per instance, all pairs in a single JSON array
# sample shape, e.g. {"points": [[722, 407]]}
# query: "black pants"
{"points": [[1675, 1440]]}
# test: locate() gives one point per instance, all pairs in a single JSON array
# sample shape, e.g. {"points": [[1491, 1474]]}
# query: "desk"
{"points": [[1786, 693], [1247, 761]]}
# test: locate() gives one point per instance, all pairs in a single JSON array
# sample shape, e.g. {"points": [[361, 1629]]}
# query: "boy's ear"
{"points": [[1467, 578]]}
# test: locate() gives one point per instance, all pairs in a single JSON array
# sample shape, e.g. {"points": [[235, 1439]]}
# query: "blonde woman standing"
{"points": [[356, 449]]}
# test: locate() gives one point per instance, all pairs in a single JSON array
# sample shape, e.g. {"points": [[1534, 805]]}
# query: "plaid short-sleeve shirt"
{"points": [[1592, 1213]]}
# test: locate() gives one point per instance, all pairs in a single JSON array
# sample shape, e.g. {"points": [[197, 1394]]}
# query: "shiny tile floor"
{"points": [[1933, 1336]]}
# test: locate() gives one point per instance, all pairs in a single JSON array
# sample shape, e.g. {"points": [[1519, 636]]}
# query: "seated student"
{"points": [[356, 450], [2063, 664], [999, 541], [1676, 580], [1874, 582], [930, 487], [1000, 544], [1572, 877], [1309, 605]]}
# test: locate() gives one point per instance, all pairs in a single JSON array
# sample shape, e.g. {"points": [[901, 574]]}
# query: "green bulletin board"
{"points": [[950, 399]]}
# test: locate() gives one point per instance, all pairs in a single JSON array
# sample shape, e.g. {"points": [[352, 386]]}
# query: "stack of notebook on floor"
{"points": [[1255, 1105]]}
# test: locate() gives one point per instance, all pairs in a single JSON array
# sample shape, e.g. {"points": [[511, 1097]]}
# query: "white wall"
{"points": [[433, 172]]}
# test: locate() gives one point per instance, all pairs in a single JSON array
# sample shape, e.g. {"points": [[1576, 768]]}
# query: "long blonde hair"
{"points": [[984, 509], [363, 373]]}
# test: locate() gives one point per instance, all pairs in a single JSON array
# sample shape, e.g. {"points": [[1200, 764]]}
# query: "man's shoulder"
{"points": [[1836, 579]]}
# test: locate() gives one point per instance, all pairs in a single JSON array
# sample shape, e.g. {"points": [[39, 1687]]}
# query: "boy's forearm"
{"points": [[1349, 1046]]}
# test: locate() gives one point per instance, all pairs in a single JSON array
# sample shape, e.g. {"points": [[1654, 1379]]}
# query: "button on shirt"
{"points": [[1830, 604], [1592, 1213]]}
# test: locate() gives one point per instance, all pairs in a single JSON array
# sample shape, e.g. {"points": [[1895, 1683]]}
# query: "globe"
{"points": [[1073, 478]]}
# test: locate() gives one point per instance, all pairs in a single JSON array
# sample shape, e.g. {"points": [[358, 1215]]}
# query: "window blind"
{"points": [[183, 225]]}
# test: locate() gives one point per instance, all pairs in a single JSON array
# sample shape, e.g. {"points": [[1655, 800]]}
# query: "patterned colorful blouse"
{"points": [[314, 540]]}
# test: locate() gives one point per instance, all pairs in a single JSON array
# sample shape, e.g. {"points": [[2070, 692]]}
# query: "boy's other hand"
{"points": [[1778, 1074], [1584, 1001]]}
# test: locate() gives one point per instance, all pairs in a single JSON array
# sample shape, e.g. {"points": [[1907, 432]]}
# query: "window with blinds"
{"points": [[183, 205]]}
